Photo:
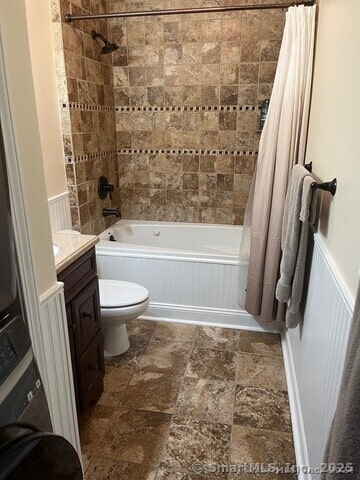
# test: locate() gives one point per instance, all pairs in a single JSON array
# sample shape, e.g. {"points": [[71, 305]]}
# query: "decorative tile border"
{"points": [[158, 151], [154, 108], [190, 108], [173, 151], [87, 107], [90, 156]]}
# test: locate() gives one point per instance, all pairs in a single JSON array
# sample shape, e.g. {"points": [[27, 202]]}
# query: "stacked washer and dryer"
{"points": [[28, 448]]}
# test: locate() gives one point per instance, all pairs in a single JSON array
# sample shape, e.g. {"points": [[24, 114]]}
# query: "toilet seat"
{"points": [[116, 294]]}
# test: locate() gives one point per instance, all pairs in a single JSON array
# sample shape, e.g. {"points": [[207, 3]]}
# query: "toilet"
{"points": [[120, 302]]}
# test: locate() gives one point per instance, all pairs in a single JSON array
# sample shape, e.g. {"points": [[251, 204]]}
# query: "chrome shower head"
{"points": [[108, 47]]}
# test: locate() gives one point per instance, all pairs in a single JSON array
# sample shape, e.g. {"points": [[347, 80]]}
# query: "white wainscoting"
{"points": [[200, 284], [59, 212], [57, 371], [185, 290], [314, 356]]}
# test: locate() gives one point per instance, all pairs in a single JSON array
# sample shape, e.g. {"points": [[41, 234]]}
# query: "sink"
{"points": [[56, 249]]}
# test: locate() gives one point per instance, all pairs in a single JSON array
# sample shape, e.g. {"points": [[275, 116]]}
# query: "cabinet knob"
{"points": [[92, 367], [86, 315]]}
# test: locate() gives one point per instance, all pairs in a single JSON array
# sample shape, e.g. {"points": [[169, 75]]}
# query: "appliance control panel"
{"points": [[8, 357], [14, 344]]}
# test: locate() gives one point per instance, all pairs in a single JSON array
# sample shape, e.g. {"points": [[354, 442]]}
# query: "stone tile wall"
{"points": [[87, 109], [187, 95], [172, 117]]}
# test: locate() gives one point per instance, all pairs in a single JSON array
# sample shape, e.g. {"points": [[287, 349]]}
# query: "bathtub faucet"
{"points": [[107, 212]]}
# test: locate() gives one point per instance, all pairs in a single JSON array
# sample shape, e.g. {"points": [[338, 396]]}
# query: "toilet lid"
{"points": [[115, 293]]}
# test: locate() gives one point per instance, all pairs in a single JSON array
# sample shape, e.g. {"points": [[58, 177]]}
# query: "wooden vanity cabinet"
{"points": [[81, 289]]}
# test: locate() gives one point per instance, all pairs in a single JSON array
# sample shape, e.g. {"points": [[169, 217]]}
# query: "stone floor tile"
{"points": [[211, 365], [260, 343], [192, 441], [175, 333], [172, 475], [141, 327], [228, 391], [139, 339], [116, 380], [252, 445], [260, 371], [262, 408], [261, 476], [136, 436], [152, 391], [93, 425], [164, 357], [215, 338], [108, 469], [208, 400]]}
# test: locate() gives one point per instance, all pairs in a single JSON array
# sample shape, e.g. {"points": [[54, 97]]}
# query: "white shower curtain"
{"points": [[282, 144]]}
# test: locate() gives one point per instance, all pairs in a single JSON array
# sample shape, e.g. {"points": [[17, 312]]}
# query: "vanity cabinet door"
{"points": [[81, 288], [86, 312], [92, 370]]}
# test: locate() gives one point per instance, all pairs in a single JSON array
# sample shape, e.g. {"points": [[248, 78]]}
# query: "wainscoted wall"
{"points": [[187, 95], [201, 291], [314, 357], [57, 371], [59, 212]]}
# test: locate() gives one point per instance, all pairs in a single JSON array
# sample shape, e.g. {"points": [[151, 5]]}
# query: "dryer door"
{"points": [[38, 455]]}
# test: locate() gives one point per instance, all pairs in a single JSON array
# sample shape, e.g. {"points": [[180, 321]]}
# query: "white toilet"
{"points": [[119, 303]]}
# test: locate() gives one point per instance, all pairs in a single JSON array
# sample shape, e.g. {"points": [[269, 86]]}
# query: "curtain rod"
{"points": [[70, 18]]}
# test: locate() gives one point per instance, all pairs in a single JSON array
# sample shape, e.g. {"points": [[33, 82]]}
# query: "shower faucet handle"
{"points": [[105, 188]]}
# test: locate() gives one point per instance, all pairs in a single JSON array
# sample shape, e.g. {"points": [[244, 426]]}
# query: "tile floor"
{"points": [[184, 394]]}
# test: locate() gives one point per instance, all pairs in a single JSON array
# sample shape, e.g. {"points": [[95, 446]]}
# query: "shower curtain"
{"points": [[282, 144]]}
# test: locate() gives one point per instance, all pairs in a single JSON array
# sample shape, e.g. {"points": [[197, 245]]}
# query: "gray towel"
{"points": [[344, 438], [308, 210], [290, 232], [307, 216]]}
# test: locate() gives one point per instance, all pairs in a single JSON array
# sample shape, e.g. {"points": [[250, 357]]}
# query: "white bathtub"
{"points": [[192, 271], [185, 241]]}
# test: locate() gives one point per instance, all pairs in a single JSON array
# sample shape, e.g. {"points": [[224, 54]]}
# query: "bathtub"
{"points": [[192, 271]]}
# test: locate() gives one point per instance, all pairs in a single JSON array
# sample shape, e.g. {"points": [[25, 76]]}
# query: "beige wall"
{"points": [[14, 40], [47, 104], [334, 132]]}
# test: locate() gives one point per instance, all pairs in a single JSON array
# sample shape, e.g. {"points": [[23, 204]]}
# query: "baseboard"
{"points": [[214, 317], [297, 422]]}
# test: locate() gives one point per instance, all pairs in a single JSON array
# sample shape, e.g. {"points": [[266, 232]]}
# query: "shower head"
{"points": [[108, 47]]}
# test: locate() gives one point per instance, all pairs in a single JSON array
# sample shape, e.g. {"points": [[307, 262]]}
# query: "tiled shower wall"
{"points": [[187, 95], [172, 117], [86, 94]]}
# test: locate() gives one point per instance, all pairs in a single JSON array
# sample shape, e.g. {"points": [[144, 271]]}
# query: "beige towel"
{"points": [[290, 232], [307, 216]]}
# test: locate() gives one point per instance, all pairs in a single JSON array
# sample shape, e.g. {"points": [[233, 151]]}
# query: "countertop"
{"points": [[71, 247]]}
